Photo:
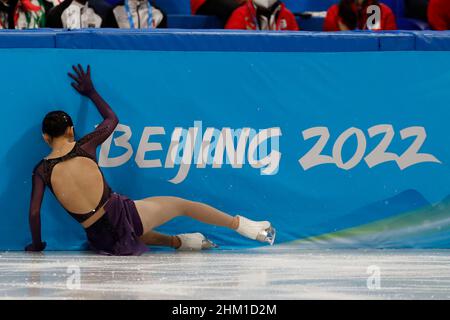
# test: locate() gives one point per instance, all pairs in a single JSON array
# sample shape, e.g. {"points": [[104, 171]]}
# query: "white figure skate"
{"points": [[194, 242], [256, 230]]}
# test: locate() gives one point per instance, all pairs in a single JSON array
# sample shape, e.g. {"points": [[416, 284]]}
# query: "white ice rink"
{"points": [[269, 273]]}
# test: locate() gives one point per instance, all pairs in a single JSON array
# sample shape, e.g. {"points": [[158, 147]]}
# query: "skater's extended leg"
{"points": [[156, 211]]}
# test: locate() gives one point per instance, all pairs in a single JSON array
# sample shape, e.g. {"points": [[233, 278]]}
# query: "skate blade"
{"points": [[267, 235], [208, 244]]}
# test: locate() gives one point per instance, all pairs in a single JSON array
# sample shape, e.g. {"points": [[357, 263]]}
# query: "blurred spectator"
{"points": [[416, 9], [135, 14], [262, 15], [352, 15], [220, 8], [439, 14], [23, 14], [7, 9], [76, 14]]}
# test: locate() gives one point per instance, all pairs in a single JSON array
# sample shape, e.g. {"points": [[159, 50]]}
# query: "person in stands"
{"points": [[439, 14], [77, 14], [23, 14], [262, 15], [416, 9], [220, 8], [135, 14], [356, 15]]}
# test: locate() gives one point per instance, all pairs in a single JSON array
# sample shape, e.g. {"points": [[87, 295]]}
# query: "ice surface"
{"points": [[268, 273]]}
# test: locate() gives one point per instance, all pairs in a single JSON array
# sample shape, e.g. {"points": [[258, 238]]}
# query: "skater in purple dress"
{"points": [[114, 224]]}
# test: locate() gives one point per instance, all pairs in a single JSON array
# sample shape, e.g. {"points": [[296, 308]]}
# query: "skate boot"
{"points": [[194, 242], [256, 230]]}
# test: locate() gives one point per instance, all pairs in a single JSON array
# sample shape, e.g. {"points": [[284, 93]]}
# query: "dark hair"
{"points": [[56, 123], [348, 16]]}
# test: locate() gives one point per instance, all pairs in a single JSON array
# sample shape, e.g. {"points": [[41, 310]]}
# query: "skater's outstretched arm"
{"points": [[83, 84], [37, 193]]}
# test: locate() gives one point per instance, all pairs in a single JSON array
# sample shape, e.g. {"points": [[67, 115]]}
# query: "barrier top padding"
{"points": [[432, 40], [227, 40], [27, 39]]}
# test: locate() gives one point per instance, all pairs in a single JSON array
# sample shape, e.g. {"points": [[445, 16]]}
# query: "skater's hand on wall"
{"points": [[83, 83], [31, 247]]}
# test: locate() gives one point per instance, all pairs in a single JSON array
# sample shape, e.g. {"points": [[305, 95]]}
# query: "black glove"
{"points": [[83, 83], [35, 248]]}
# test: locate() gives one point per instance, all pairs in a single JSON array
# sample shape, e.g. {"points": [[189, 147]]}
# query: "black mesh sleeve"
{"points": [[37, 194], [91, 141]]}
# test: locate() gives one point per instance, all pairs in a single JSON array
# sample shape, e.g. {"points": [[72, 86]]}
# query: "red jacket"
{"points": [[439, 14], [244, 17], [196, 4], [333, 19]]}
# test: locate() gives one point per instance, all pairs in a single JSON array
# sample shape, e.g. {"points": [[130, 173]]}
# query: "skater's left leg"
{"points": [[154, 238]]}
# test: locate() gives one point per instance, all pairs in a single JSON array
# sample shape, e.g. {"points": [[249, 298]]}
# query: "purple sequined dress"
{"points": [[118, 231]]}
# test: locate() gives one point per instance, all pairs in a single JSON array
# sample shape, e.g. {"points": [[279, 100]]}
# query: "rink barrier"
{"points": [[222, 40], [293, 86]]}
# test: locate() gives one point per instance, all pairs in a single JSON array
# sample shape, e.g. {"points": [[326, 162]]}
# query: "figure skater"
{"points": [[114, 224]]}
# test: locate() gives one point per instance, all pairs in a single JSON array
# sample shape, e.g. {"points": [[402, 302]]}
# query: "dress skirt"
{"points": [[117, 232]]}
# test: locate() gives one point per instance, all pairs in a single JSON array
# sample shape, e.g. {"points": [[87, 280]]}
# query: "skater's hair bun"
{"points": [[55, 123]]}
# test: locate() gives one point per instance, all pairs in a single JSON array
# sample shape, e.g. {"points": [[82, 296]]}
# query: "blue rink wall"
{"points": [[341, 140]]}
